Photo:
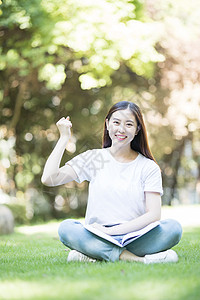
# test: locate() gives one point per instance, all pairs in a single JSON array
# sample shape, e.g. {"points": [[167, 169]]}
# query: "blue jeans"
{"points": [[73, 235]]}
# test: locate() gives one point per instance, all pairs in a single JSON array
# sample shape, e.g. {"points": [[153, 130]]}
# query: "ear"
{"points": [[138, 129]]}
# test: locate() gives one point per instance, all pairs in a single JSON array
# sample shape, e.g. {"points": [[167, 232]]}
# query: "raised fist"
{"points": [[64, 125]]}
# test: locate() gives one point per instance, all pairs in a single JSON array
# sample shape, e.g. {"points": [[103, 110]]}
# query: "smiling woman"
{"points": [[124, 192], [130, 114], [122, 126]]}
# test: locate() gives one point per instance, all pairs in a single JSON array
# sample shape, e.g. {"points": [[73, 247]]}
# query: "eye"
{"points": [[129, 124], [116, 122]]}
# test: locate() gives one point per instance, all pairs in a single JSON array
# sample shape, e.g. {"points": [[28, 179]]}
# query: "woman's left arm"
{"points": [[152, 214]]}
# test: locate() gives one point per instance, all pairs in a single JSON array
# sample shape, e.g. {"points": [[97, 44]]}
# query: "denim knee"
{"points": [[65, 227], [179, 231], [73, 235], [176, 229]]}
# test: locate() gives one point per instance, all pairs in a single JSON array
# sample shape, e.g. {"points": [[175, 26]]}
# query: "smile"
{"points": [[121, 137]]}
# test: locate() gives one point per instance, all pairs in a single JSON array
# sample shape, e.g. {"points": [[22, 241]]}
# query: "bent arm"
{"points": [[53, 175], [152, 214]]}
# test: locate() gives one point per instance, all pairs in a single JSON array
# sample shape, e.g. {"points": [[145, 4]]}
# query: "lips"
{"points": [[121, 137]]}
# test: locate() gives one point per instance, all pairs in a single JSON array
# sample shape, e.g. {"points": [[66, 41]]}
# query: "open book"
{"points": [[124, 239]]}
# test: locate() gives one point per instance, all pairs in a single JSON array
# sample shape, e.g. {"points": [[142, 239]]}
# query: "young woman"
{"points": [[124, 192]]}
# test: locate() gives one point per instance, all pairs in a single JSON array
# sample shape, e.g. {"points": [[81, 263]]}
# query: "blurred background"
{"points": [[79, 57]]}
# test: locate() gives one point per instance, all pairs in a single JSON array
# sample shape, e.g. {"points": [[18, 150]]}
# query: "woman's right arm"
{"points": [[53, 175]]}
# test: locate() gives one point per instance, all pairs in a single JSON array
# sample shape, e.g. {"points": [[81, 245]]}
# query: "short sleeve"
{"points": [[152, 178], [80, 164], [87, 164]]}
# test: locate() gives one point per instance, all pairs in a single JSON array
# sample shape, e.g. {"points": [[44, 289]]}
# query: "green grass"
{"points": [[33, 266]]}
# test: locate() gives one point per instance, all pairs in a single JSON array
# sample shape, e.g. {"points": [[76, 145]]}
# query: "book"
{"points": [[122, 240]]}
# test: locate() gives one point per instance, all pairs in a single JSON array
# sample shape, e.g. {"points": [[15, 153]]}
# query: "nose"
{"points": [[121, 128]]}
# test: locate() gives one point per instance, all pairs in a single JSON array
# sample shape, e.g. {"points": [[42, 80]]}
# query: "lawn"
{"points": [[33, 266]]}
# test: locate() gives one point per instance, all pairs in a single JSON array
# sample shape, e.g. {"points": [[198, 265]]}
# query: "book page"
{"points": [[140, 232], [102, 235], [128, 238]]}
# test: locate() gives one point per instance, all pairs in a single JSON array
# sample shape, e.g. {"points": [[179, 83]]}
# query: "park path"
{"points": [[187, 215]]}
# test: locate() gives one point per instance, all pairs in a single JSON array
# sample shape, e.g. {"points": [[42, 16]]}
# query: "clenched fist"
{"points": [[64, 125]]}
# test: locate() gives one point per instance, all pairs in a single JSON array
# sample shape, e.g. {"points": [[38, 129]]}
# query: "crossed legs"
{"points": [[73, 234]]}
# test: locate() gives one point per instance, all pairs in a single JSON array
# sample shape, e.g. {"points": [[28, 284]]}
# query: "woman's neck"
{"points": [[123, 154]]}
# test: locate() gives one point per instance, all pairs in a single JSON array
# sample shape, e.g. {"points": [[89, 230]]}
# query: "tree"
{"points": [[59, 57], [176, 95]]}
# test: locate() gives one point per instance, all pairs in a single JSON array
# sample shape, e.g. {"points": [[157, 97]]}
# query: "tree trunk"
{"points": [[18, 105]]}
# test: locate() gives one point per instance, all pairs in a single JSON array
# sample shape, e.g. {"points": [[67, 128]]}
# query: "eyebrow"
{"points": [[126, 120]]}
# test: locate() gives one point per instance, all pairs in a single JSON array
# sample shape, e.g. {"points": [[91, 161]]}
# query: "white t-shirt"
{"points": [[116, 190]]}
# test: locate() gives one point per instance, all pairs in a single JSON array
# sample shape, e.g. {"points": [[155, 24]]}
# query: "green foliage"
{"points": [[19, 213], [98, 35]]}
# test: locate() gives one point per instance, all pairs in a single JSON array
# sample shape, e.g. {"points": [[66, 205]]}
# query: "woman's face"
{"points": [[122, 127]]}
